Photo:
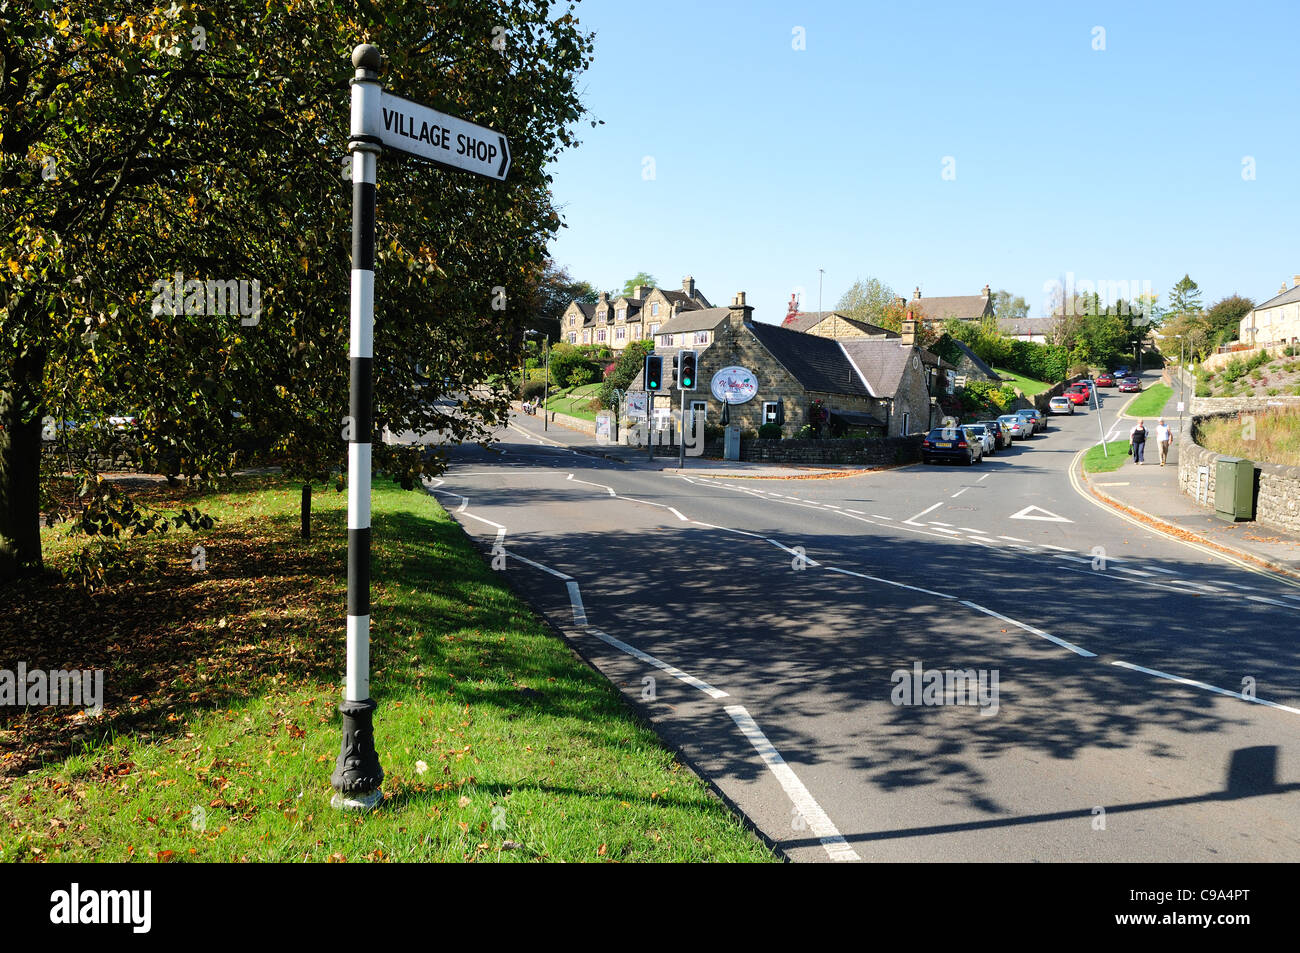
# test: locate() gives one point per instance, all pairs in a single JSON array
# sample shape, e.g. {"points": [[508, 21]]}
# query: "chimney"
{"points": [[901, 302], [917, 293], [741, 313], [636, 292], [688, 286], [909, 331], [604, 297], [1296, 279], [986, 291]]}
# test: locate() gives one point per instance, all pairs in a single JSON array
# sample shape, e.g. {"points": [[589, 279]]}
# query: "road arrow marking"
{"points": [[1047, 517]]}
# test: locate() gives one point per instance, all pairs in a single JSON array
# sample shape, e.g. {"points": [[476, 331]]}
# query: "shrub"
{"points": [[805, 432], [1233, 370], [580, 375], [770, 431], [533, 390], [713, 431], [1202, 389], [749, 435]]}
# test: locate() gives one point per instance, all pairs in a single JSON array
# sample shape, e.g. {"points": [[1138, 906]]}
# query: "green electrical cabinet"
{"points": [[1234, 489]]}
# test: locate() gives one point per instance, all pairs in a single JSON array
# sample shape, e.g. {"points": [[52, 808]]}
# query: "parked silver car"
{"points": [[1021, 429], [981, 433]]}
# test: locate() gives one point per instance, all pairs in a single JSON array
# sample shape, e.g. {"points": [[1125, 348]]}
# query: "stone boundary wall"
{"points": [[115, 454], [1217, 406], [879, 451], [1277, 487], [1217, 361]]}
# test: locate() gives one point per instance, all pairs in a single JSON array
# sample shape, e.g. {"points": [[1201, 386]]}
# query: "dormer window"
{"points": [[622, 314], [654, 309], [572, 320], [600, 315]]}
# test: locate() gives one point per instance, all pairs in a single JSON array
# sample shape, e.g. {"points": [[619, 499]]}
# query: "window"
{"points": [[573, 337], [772, 412], [654, 329], [701, 337], [654, 309], [907, 423], [665, 340], [600, 315], [600, 336], [620, 334], [572, 320], [621, 314]]}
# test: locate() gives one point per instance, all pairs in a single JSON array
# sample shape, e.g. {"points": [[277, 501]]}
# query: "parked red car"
{"points": [[1105, 380], [1130, 385], [1077, 394]]}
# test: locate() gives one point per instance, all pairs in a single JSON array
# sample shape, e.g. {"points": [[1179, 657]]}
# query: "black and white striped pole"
{"points": [[357, 775], [381, 121]]}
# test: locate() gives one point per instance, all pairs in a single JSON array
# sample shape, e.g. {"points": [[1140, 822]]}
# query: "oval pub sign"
{"points": [[734, 385]]}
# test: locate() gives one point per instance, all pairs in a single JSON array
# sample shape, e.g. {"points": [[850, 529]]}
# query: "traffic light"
{"points": [[654, 372], [686, 370]]}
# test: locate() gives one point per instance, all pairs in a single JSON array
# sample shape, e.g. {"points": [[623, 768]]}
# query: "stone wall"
{"points": [[1215, 406], [882, 451], [116, 453], [1216, 361], [1277, 487]]}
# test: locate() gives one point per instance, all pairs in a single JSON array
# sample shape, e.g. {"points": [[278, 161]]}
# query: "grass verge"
{"points": [[1111, 459], [1028, 386], [1269, 437], [220, 729], [1151, 402], [575, 401]]}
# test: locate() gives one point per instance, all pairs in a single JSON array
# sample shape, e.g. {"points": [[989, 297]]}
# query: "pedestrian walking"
{"points": [[1164, 437], [1137, 441]]}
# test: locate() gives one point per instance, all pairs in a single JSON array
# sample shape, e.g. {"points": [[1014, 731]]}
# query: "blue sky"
{"points": [[770, 162]]}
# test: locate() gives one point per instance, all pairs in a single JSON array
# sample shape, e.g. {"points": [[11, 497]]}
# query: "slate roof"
{"points": [[704, 319], [962, 307], [807, 320], [1044, 326], [976, 360], [817, 363], [1286, 297]]}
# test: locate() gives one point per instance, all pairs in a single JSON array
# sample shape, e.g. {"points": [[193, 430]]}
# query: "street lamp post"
{"points": [[546, 388]]}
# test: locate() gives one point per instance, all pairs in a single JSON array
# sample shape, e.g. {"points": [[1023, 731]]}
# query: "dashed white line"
{"points": [[983, 478], [923, 512], [536, 565], [608, 489], [672, 670], [818, 822], [879, 517], [1209, 688], [937, 523], [1059, 549], [967, 529], [859, 512], [889, 582], [1134, 572], [959, 492], [1075, 559], [1029, 628], [575, 600], [1014, 539]]}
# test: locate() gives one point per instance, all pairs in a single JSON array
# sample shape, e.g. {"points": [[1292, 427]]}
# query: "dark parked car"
{"points": [[950, 443], [1120, 373], [1001, 436]]}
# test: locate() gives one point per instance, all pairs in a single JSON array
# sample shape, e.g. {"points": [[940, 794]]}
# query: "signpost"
{"points": [[380, 121]]}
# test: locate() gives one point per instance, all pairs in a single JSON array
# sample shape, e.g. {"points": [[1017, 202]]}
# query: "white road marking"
{"points": [[937, 523], [677, 513], [1272, 602], [536, 565], [1029, 628], [1048, 516], [575, 600], [818, 822], [1059, 549], [922, 513], [728, 529], [808, 560], [889, 582], [969, 530], [1075, 559], [831, 506], [608, 489], [960, 492], [1209, 688], [1014, 539], [859, 512], [949, 532], [1170, 572], [983, 478], [879, 517], [672, 670], [1134, 572], [1237, 585]]}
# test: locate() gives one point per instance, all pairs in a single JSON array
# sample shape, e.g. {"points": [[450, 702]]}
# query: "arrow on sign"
{"points": [[428, 134], [1047, 517]]}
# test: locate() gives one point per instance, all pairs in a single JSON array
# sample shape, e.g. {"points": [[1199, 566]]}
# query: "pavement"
{"points": [[1142, 699], [1151, 493]]}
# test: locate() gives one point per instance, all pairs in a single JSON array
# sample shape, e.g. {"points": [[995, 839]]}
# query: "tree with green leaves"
{"points": [[186, 147], [1223, 319], [645, 279], [870, 300], [1008, 307], [1185, 298]]}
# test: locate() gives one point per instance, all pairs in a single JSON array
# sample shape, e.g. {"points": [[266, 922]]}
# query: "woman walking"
{"points": [[1137, 438]]}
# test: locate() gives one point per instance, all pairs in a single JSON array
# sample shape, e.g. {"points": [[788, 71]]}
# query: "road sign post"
{"points": [[380, 121]]}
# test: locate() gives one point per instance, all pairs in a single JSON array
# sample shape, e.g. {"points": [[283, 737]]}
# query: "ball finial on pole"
{"points": [[366, 56]]}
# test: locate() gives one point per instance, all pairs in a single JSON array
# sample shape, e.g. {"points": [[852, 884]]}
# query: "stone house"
{"points": [[886, 386], [961, 307], [1276, 321], [617, 322], [834, 324]]}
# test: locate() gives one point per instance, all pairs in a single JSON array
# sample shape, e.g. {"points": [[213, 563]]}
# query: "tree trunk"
{"points": [[306, 511], [20, 468]]}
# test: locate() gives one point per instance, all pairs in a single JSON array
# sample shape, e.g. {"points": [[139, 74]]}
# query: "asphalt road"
{"points": [[1140, 699]]}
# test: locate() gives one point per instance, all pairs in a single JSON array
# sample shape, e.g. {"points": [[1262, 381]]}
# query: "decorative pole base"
{"points": [[357, 774]]}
